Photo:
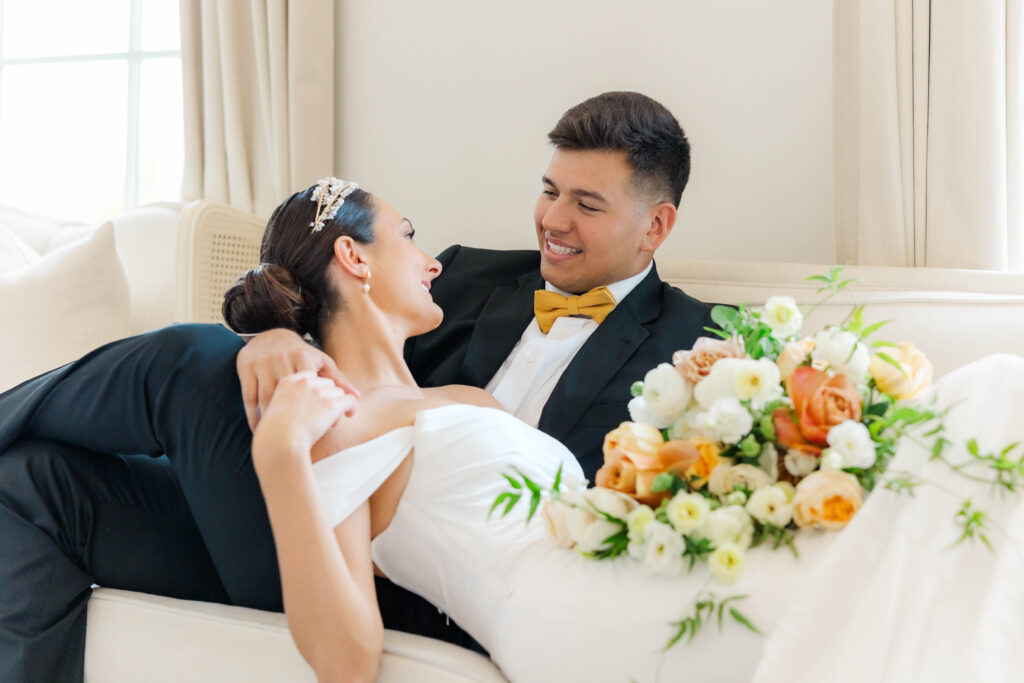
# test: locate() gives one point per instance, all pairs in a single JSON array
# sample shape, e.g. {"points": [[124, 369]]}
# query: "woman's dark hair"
{"points": [[656, 147], [290, 288]]}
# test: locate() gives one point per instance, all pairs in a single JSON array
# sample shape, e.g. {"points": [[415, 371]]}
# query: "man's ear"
{"points": [[349, 255], [663, 219]]}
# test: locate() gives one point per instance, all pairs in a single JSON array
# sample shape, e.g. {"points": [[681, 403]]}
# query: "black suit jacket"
{"points": [[487, 298]]}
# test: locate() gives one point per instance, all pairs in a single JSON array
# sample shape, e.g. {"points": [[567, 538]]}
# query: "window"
{"points": [[90, 106]]}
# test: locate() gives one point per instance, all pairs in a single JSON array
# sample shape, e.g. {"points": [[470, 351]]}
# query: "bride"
{"points": [[402, 487]]}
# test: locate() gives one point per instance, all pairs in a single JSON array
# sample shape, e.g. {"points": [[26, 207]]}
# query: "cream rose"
{"points": [[793, 355], [800, 463], [724, 479], [826, 499], [666, 395], [915, 378], [695, 364]]}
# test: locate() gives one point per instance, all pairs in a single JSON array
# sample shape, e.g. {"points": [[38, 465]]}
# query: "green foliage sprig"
{"points": [[706, 606]]}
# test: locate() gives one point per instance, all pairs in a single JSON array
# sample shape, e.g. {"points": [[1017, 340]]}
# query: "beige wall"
{"points": [[443, 107]]}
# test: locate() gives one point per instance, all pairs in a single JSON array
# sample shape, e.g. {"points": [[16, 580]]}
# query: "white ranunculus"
{"points": [[830, 460], [666, 394], [719, 383], [769, 505], [637, 550], [664, 550], [639, 412], [852, 441], [726, 562], [637, 522], [728, 420], [728, 524], [687, 511], [758, 381], [843, 353], [799, 463], [783, 316], [694, 424]]}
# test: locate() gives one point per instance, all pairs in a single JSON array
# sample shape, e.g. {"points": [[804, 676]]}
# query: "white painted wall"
{"points": [[443, 109]]}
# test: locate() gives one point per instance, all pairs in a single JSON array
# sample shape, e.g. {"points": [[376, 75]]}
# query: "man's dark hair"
{"points": [[655, 145]]}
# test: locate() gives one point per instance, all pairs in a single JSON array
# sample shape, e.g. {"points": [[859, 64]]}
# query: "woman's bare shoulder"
{"points": [[463, 393]]}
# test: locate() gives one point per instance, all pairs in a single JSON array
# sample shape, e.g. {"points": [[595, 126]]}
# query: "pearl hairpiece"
{"points": [[329, 194]]}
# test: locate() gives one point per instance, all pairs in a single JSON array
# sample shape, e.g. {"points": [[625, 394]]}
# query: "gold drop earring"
{"points": [[366, 282]]}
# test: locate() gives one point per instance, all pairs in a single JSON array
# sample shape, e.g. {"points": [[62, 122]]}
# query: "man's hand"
{"points": [[271, 356]]}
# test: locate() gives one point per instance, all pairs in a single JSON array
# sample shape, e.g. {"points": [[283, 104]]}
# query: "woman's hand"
{"points": [[303, 407], [273, 355]]}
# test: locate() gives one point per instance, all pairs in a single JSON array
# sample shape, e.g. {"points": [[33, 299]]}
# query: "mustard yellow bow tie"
{"points": [[547, 306]]}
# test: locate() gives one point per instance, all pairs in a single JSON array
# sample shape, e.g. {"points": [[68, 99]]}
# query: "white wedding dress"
{"points": [[548, 614]]}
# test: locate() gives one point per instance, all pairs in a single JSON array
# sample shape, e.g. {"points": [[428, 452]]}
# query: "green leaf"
{"points": [[512, 482], [726, 317], [818, 278], [738, 616], [879, 343], [534, 502], [662, 482], [871, 329], [556, 487], [720, 333], [856, 319], [512, 499], [892, 361]]}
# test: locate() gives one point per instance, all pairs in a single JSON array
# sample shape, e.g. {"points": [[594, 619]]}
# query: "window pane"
{"points": [[62, 138], [161, 131], [64, 27], [161, 25]]}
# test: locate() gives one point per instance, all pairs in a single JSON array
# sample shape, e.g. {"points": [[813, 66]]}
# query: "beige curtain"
{"points": [[259, 99], [928, 132]]}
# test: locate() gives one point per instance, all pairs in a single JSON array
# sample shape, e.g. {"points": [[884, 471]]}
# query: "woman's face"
{"points": [[400, 272]]}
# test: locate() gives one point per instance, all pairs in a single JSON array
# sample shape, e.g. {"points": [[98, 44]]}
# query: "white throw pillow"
{"points": [[14, 253], [61, 307]]}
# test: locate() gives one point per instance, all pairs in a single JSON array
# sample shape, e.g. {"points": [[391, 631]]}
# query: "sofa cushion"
{"points": [[14, 253], [61, 307]]}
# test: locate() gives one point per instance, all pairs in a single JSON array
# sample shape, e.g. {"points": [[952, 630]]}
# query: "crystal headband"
{"points": [[329, 194]]}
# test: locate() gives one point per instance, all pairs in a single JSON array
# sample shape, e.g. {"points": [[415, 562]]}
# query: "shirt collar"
{"points": [[618, 289]]}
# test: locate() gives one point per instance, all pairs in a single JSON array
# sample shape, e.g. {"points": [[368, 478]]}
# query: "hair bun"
{"points": [[267, 297]]}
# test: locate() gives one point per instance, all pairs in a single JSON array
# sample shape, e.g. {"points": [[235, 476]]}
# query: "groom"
{"points": [[70, 517]]}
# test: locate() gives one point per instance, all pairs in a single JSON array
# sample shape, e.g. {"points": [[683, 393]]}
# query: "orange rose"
{"points": [[826, 499], [635, 454], [695, 364], [821, 402], [788, 434]]}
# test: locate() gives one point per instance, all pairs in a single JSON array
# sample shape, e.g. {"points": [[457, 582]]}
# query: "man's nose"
{"points": [[556, 218]]}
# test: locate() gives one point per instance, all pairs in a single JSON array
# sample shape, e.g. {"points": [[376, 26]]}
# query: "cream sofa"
{"points": [[955, 316]]}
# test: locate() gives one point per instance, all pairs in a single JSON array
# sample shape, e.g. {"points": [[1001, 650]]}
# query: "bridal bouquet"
{"points": [[743, 439]]}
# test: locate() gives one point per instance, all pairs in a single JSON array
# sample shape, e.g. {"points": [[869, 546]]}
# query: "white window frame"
{"points": [[133, 58]]}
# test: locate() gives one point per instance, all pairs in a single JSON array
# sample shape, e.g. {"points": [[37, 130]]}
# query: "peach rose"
{"points": [[793, 356], [634, 456], [826, 499], [821, 402], [555, 515], [695, 364], [916, 375], [788, 434]]}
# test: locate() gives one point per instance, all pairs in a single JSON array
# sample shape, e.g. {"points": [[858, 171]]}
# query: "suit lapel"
{"points": [[601, 357], [501, 323]]}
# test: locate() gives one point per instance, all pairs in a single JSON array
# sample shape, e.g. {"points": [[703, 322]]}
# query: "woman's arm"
{"points": [[327, 576]]}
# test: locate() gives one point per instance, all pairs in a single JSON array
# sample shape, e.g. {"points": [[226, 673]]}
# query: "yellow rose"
{"points": [[916, 375], [707, 460], [826, 499]]}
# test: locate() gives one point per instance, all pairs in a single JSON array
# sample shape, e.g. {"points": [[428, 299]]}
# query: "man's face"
{"points": [[592, 223]]}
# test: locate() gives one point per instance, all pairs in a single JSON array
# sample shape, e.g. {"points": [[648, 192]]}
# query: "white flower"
{"points": [[664, 550], [594, 535], [555, 515], [769, 505], [666, 394], [830, 460], [735, 498], [637, 522], [639, 412], [783, 315], [799, 463], [687, 511], [852, 441], [694, 424], [725, 562], [727, 420], [756, 381], [610, 502], [719, 383], [843, 353], [729, 524]]}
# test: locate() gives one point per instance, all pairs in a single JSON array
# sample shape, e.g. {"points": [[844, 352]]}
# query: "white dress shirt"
{"points": [[525, 380]]}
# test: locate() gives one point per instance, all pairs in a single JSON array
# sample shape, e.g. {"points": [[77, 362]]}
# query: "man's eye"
{"points": [[588, 209], [549, 193]]}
